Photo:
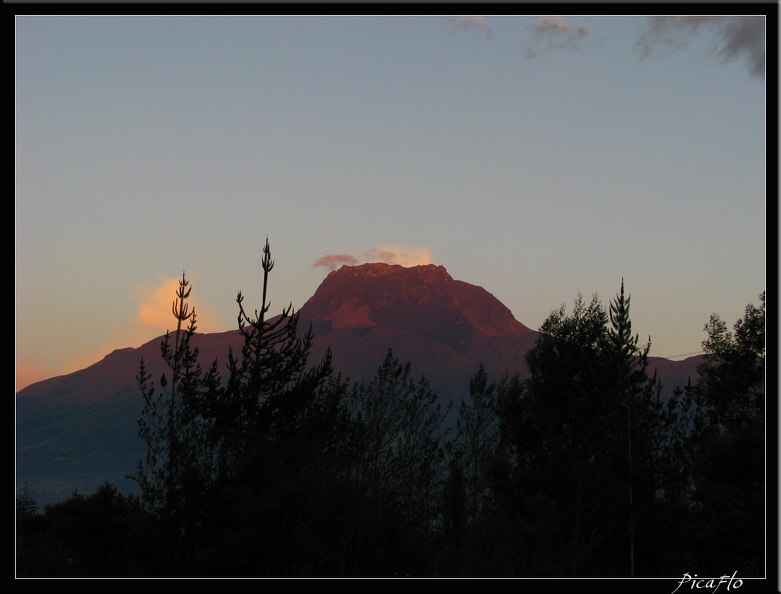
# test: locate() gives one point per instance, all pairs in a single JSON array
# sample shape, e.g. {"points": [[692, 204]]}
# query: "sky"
{"points": [[539, 157]]}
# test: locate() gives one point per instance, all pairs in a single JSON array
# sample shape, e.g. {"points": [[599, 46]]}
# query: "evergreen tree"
{"points": [[454, 504], [590, 435], [399, 469], [639, 396], [234, 468], [269, 388], [271, 426], [176, 472], [477, 437], [469, 507], [566, 441]]}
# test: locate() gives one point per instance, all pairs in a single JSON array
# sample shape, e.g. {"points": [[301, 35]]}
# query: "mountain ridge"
{"points": [[77, 430]]}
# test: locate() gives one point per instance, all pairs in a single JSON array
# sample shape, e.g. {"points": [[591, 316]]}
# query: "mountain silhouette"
{"points": [[76, 431]]}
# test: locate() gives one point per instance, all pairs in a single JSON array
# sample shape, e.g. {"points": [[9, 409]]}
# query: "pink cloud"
{"points": [[476, 23], [386, 254], [554, 33], [332, 261], [556, 25], [153, 312], [391, 254]]}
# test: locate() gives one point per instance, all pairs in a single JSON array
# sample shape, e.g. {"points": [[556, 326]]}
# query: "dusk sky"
{"points": [[537, 157]]}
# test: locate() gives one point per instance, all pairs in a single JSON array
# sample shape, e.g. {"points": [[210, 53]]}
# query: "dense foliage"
{"points": [[283, 468]]}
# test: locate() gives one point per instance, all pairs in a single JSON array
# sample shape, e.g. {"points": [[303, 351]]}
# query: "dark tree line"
{"points": [[284, 468]]}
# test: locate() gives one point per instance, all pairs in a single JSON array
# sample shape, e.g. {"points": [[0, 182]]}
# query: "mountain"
{"points": [[445, 327], [76, 431]]}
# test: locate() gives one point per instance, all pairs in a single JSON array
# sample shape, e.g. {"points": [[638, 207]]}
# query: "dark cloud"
{"points": [[734, 37]]}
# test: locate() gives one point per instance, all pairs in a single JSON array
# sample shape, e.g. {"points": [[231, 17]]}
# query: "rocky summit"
{"points": [[423, 300]]}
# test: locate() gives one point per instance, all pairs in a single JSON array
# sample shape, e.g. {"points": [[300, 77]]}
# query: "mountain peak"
{"points": [[378, 269], [420, 299]]}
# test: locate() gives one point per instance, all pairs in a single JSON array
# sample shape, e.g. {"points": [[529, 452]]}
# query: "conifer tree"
{"points": [[560, 434], [177, 468], [399, 467], [590, 435], [630, 376], [255, 440], [656, 438], [269, 386], [477, 437]]}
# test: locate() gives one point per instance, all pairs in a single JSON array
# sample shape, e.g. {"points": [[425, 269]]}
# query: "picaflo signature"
{"points": [[712, 584]]}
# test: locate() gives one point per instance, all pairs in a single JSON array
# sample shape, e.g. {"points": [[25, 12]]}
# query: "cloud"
{"points": [[471, 23], [733, 37], [332, 261], [154, 308], [387, 254], [153, 318], [554, 33], [391, 254]]}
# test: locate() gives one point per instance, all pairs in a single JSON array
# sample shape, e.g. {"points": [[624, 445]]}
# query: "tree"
{"points": [[477, 437], [104, 534], [176, 472], [268, 385], [469, 506], [729, 490], [270, 424], [26, 506], [399, 467], [566, 440], [590, 435], [732, 385], [639, 395], [229, 462]]}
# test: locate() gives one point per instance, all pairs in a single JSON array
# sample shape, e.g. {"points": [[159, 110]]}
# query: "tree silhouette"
{"points": [[639, 395], [399, 468], [104, 534], [567, 439], [269, 386], [729, 495], [269, 427], [590, 435], [477, 437], [177, 471]]}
